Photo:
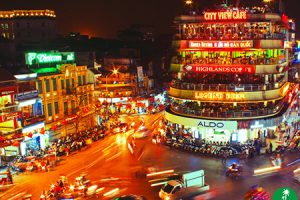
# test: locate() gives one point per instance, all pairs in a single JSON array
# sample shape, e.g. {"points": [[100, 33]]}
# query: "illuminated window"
{"points": [[6, 26]]}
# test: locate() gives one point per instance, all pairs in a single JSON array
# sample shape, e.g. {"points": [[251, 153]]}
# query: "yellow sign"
{"points": [[228, 96], [284, 89]]}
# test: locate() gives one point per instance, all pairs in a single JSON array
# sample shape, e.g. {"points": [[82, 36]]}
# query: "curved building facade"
{"points": [[230, 75]]}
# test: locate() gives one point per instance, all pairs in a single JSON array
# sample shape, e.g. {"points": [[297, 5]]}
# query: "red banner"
{"points": [[236, 69]]}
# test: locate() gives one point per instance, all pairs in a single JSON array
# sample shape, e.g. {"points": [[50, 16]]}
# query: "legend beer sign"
{"points": [[221, 44], [235, 69], [226, 15], [220, 96]]}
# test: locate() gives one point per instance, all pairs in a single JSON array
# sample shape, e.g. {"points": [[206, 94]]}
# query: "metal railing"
{"points": [[226, 87], [229, 113]]}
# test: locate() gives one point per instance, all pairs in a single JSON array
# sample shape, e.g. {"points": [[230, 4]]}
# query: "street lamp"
{"points": [[188, 2]]}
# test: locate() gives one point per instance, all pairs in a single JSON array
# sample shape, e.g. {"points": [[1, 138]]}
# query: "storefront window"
{"points": [[5, 101]]}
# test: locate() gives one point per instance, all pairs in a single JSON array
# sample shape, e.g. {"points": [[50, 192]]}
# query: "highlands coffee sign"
{"points": [[221, 44], [201, 123], [228, 69]]}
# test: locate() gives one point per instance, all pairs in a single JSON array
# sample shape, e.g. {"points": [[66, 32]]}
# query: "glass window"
{"points": [[47, 85], [54, 84], [56, 107], [73, 83], [73, 106], [40, 86], [68, 86], [49, 106], [62, 83], [66, 108], [83, 80], [79, 80]]}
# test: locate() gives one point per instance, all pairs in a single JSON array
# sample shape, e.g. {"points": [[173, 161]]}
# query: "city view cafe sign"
{"points": [[226, 15], [237, 69], [202, 123]]}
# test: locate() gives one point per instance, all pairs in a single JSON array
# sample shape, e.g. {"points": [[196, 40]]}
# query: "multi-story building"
{"points": [[231, 74], [30, 113], [9, 126], [63, 87], [28, 25]]}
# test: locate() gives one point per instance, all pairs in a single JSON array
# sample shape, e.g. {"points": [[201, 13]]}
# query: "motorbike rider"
{"points": [[233, 168]]}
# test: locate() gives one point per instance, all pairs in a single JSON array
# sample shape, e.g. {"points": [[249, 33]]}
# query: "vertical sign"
{"points": [[140, 76]]}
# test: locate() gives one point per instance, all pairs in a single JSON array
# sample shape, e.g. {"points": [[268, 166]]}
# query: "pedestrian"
{"points": [[270, 148], [67, 151], [224, 157]]}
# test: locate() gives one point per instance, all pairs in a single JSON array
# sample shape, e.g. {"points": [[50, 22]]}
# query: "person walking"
{"points": [[270, 148], [224, 157]]}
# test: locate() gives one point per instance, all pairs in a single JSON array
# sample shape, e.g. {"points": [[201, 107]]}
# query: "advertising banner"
{"points": [[140, 76]]}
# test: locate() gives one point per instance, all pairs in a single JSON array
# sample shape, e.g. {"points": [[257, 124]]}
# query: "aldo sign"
{"points": [[201, 123], [228, 125]]}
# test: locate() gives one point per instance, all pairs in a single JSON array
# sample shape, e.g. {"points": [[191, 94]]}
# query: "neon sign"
{"points": [[226, 15], [229, 96], [202, 68], [42, 58], [221, 44]]}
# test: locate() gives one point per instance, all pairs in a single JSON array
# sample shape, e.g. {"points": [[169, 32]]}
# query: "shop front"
{"points": [[202, 129], [35, 138]]}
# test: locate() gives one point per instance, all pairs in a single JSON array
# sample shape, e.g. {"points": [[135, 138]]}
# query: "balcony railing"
{"points": [[226, 87], [9, 109], [229, 113]]}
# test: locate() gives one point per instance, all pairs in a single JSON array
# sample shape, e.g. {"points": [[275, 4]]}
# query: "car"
{"points": [[142, 132], [130, 197], [123, 127]]}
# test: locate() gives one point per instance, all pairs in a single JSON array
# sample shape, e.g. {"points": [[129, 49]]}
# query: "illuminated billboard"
{"points": [[221, 44], [237, 69], [226, 15], [32, 58]]}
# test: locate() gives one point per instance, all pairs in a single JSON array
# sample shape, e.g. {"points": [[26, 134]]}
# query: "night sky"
{"points": [[103, 18]]}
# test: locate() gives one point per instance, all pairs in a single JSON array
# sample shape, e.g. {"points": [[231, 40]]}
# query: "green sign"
{"points": [[48, 57], [285, 194]]}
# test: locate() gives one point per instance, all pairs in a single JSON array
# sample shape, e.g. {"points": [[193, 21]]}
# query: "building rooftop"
{"points": [[27, 13]]}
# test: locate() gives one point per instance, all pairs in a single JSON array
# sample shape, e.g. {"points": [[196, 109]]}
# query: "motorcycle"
{"points": [[234, 172]]}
